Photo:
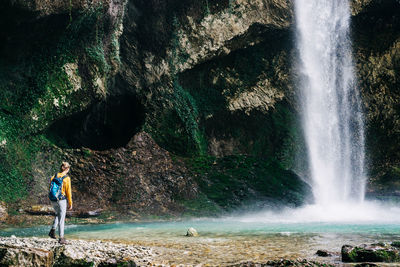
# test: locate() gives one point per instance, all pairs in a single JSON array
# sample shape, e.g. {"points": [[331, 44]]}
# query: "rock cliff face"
{"points": [[203, 79], [376, 31]]}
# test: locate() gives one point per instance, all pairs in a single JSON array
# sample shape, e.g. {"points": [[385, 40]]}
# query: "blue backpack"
{"points": [[55, 188]]}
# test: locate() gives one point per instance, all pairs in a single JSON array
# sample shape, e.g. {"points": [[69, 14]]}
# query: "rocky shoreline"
{"points": [[15, 251], [48, 252]]}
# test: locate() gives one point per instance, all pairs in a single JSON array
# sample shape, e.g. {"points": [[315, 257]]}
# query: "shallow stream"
{"points": [[232, 240]]}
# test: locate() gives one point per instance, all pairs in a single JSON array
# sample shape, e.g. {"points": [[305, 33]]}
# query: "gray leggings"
{"points": [[60, 208]]}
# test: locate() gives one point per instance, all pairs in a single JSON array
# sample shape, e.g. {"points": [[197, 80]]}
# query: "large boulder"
{"points": [[20, 256], [370, 253]]}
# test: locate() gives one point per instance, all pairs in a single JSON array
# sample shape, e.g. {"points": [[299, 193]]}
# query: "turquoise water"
{"points": [[228, 241], [209, 228]]}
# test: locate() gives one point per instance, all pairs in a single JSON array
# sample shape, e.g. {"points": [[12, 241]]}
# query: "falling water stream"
{"points": [[332, 117]]}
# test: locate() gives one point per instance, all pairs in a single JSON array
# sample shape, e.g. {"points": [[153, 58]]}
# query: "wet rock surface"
{"points": [[370, 253], [376, 41], [323, 253], [47, 252], [139, 177]]}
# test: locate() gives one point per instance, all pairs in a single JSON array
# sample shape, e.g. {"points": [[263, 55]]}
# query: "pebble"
{"points": [[192, 232]]}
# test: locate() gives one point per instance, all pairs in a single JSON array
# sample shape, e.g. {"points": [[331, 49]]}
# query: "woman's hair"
{"points": [[64, 166]]}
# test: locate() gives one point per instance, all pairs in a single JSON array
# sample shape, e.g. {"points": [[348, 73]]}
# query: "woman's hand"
{"points": [[70, 207]]}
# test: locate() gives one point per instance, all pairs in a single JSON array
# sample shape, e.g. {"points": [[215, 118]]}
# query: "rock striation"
{"points": [[47, 252]]}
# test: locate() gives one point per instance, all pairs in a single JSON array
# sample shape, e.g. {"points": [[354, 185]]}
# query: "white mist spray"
{"points": [[332, 121], [332, 117]]}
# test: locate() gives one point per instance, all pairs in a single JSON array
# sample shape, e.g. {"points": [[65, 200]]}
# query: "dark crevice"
{"points": [[105, 125], [378, 26]]}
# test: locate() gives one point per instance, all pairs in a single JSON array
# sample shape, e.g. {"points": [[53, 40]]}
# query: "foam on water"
{"points": [[367, 212]]}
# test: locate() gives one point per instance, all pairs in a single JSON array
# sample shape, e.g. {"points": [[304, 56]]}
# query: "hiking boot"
{"points": [[52, 233], [62, 241]]}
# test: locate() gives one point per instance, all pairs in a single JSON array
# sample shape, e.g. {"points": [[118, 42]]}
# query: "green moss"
{"points": [[172, 134], [379, 255], [179, 129], [40, 91], [200, 206], [36, 91], [17, 157], [96, 57], [233, 180], [186, 108], [115, 49], [207, 9]]}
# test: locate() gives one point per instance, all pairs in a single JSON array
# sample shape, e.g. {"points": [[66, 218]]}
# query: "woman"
{"points": [[60, 206]]}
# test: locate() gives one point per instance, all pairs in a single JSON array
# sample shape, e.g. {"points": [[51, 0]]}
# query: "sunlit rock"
{"points": [[25, 256], [192, 232], [48, 252]]}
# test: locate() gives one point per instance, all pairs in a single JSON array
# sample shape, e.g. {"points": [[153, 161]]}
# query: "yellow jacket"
{"points": [[66, 187]]}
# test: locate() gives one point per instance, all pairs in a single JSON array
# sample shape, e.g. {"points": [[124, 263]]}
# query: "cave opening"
{"points": [[104, 125]]}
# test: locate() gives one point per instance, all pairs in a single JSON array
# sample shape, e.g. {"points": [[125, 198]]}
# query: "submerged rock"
{"points": [[47, 252], [370, 253], [323, 253], [192, 232]]}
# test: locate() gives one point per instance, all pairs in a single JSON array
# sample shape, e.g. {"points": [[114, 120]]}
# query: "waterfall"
{"points": [[331, 111]]}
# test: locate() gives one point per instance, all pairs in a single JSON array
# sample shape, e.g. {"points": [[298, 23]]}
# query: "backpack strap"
{"points": [[62, 178], [51, 179]]}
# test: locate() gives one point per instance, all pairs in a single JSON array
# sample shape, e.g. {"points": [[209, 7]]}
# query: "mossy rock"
{"points": [[370, 253], [396, 244], [233, 181]]}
